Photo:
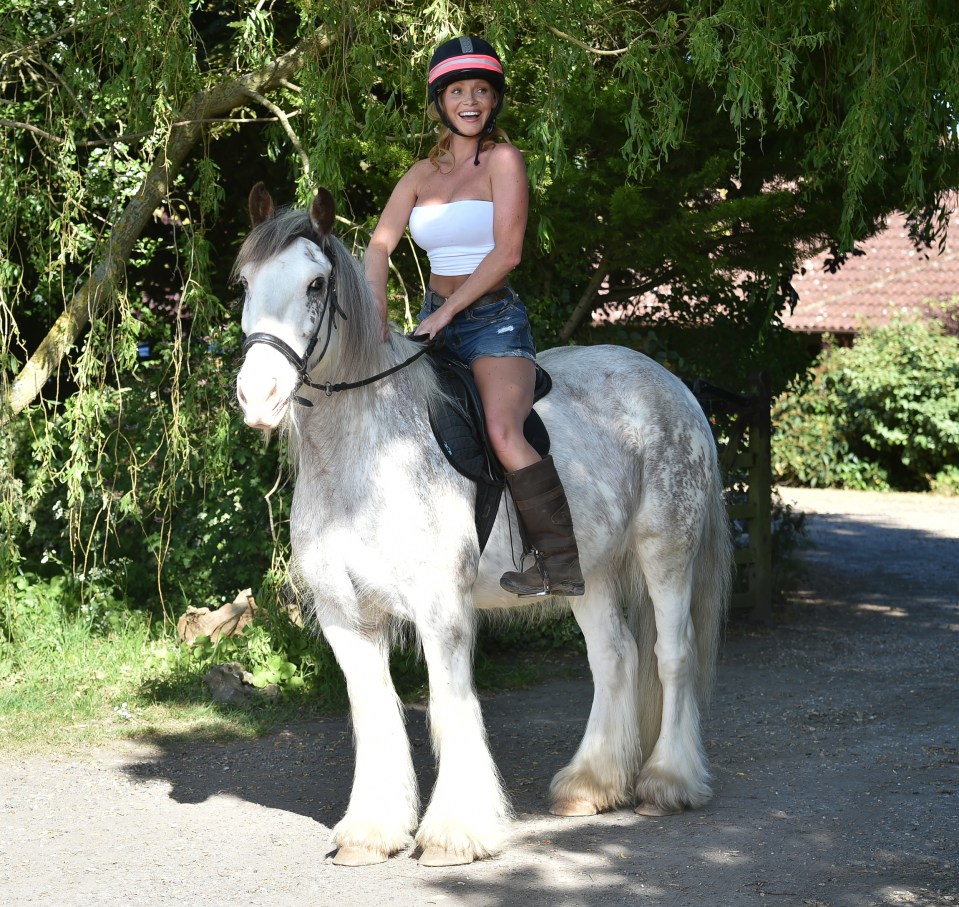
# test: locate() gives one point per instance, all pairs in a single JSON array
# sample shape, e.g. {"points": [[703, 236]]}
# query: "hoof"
{"points": [[574, 807], [651, 809], [353, 855], [437, 856]]}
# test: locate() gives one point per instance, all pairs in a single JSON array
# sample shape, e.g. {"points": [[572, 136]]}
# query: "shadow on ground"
{"points": [[833, 735]]}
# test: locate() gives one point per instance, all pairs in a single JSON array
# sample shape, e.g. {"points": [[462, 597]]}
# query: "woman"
{"points": [[466, 206]]}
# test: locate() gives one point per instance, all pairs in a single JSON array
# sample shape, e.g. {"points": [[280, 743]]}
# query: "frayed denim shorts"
{"points": [[496, 324]]}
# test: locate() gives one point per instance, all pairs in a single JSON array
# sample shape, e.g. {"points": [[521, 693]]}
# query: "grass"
{"points": [[68, 684], [64, 686]]}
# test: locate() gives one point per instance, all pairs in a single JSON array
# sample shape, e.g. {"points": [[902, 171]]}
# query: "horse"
{"points": [[383, 537]]}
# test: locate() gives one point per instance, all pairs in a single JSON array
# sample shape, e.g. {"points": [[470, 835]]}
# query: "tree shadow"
{"points": [[832, 735], [307, 767]]}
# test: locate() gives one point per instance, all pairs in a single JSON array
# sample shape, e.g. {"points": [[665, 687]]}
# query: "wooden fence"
{"points": [[743, 429]]}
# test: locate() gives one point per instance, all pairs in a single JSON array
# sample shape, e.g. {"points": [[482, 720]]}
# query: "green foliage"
{"points": [[946, 480], [880, 414], [147, 503], [688, 148], [273, 648]]}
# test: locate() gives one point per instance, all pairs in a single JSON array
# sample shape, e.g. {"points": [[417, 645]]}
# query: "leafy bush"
{"points": [[273, 648], [154, 505], [881, 414]]}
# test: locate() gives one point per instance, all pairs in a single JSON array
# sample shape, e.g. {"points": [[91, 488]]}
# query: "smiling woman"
{"points": [[466, 206]]}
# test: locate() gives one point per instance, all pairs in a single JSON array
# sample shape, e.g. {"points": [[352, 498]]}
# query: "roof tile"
{"points": [[891, 278]]}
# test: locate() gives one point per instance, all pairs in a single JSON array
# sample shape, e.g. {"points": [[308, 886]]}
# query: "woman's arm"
{"points": [[510, 189], [386, 237]]}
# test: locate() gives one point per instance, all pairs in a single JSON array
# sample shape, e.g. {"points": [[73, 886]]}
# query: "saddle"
{"points": [[460, 430]]}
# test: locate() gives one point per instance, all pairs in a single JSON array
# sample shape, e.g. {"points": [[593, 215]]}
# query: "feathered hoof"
{"points": [[355, 855], [657, 811], [439, 856], [574, 806], [664, 793]]}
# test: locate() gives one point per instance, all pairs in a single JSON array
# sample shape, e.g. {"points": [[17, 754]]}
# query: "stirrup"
{"points": [[543, 572], [544, 575]]}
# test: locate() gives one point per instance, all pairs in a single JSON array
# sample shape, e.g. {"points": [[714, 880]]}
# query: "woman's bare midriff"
{"points": [[445, 285]]}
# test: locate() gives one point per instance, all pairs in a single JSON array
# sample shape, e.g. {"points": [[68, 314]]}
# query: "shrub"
{"points": [[155, 515], [883, 413]]}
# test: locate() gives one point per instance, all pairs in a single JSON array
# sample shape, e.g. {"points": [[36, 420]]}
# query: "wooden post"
{"points": [[751, 463], [760, 493]]}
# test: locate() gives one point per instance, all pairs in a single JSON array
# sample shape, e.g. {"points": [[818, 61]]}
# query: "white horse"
{"points": [[383, 534]]}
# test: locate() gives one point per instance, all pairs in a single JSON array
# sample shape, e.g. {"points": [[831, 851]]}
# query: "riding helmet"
{"points": [[467, 57]]}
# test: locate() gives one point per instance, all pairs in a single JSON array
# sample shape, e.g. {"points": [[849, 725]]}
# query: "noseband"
{"points": [[302, 363]]}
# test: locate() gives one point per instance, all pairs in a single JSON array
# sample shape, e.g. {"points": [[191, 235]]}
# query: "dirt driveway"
{"points": [[834, 735]]}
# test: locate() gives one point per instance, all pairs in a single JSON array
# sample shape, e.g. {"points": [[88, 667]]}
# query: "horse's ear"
{"points": [[261, 204], [322, 212]]}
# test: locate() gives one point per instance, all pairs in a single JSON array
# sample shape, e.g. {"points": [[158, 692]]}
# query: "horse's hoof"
{"points": [[439, 856], [354, 855], [574, 807], [656, 811]]}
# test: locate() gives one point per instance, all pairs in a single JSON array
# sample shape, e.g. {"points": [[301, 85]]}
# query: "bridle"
{"points": [[302, 364]]}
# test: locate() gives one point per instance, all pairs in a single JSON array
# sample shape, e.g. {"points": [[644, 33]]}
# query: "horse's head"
{"points": [[285, 270]]}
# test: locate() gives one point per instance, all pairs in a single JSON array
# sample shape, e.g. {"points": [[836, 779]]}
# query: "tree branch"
{"points": [[287, 128], [16, 124], [587, 302], [96, 295], [134, 136], [584, 46]]}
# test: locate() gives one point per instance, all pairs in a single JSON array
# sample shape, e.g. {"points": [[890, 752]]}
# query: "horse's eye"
{"points": [[239, 287], [317, 285]]}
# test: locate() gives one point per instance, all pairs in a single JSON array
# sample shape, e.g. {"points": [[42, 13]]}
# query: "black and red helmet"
{"points": [[467, 57]]}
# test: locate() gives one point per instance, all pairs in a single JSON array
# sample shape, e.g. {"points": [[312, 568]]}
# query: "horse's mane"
{"points": [[362, 352]]}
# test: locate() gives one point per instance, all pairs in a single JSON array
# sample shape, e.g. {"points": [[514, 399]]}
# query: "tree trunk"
{"points": [[587, 302], [96, 294]]}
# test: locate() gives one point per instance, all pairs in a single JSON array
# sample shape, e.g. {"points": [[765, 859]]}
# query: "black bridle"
{"points": [[302, 365]]}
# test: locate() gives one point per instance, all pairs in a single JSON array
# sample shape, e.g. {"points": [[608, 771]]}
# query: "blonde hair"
{"points": [[441, 150]]}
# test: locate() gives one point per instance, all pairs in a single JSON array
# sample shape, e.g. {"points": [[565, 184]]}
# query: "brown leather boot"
{"points": [[547, 534]]}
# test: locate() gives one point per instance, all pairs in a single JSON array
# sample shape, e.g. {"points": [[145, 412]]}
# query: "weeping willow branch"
{"points": [[14, 124], [583, 46], [96, 295], [136, 136], [285, 123]]}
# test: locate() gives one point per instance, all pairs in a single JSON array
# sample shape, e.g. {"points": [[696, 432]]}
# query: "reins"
{"points": [[302, 363]]}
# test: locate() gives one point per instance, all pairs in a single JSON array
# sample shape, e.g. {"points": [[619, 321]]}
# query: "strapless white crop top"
{"points": [[456, 236]]}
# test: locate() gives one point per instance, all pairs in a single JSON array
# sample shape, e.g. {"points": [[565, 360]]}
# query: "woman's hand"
{"points": [[433, 324]]}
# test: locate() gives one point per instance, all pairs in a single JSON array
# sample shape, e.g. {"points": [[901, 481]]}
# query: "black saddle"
{"points": [[460, 429]]}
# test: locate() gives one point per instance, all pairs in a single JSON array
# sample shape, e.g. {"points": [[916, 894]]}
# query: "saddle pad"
{"points": [[460, 430]]}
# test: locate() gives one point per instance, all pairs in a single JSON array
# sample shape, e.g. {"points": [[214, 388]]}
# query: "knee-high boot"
{"points": [[547, 527]]}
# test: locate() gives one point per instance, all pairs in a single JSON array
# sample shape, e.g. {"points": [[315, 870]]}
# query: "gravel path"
{"points": [[834, 736]]}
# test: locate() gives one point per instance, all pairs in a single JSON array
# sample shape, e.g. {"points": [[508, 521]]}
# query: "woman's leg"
{"points": [[506, 387], [505, 384]]}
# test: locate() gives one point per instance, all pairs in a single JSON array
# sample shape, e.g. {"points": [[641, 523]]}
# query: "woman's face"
{"points": [[468, 104]]}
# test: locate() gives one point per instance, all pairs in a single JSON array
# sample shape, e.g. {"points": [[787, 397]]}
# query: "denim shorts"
{"points": [[489, 327]]}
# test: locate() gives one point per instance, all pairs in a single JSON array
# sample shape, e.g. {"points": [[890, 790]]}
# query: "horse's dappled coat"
{"points": [[382, 531]]}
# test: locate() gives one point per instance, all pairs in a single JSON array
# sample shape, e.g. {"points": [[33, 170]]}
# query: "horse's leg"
{"points": [[469, 813], [384, 802], [676, 773], [601, 774]]}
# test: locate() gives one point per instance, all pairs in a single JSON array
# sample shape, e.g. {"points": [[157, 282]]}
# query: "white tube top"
{"points": [[456, 236]]}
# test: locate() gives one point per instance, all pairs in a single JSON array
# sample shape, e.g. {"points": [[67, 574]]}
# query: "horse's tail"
{"points": [[711, 588]]}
